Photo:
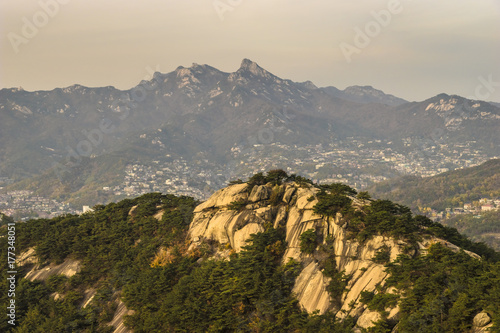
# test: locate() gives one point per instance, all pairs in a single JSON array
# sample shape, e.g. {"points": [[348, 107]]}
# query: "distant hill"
{"points": [[448, 189]]}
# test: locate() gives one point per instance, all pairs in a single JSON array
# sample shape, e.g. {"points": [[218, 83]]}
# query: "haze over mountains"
{"points": [[80, 139]]}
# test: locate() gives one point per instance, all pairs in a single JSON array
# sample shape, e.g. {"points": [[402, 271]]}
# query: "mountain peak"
{"points": [[249, 66], [309, 85]]}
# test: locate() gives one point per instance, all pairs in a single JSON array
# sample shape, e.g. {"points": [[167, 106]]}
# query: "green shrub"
{"points": [[308, 241], [339, 188], [302, 181], [380, 301], [363, 196], [383, 255], [57, 283], [331, 204], [366, 296], [237, 205], [276, 176], [338, 284], [276, 195], [257, 179]]}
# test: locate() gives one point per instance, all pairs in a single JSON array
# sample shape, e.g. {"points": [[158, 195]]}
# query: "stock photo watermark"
{"points": [[488, 86], [126, 102], [373, 28], [31, 25], [223, 6], [11, 273]]}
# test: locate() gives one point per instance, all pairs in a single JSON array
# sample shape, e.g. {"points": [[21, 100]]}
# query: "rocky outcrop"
{"points": [[259, 193], [224, 197], [310, 288], [27, 257], [117, 321], [368, 318], [68, 268], [213, 220], [481, 323], [218, 220], [426, 243], [88, 296]]}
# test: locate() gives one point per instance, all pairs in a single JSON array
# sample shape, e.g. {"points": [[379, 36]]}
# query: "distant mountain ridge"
{"points": [[203, 115], [364, 94]]}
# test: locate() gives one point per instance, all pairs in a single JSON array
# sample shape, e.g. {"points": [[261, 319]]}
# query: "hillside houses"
{"points": [[481, 206]]}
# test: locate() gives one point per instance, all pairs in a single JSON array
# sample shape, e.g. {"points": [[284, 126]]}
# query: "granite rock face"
{"points": [[216, 220], [38, 272]]}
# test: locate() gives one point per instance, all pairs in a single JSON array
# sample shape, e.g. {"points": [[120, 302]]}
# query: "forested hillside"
{"points": [[484, 228], [450, 189], [137, 251]]}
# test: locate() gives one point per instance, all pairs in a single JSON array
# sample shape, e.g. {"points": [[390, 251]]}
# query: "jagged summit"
{"points": [[456, 110], [248, 66]]}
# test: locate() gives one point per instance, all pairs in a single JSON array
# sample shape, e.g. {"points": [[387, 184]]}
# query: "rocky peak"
{"points": [[12, 90], [290, 206], [76, 88], [249, 67], [456, 110], [234, 213], [182, 72]]}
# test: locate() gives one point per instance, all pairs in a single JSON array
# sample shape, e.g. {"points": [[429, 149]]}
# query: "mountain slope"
{"points": [[260, 255]]}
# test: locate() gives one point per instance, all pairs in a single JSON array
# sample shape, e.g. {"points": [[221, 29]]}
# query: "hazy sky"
{"points": [[414, 49]]}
